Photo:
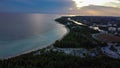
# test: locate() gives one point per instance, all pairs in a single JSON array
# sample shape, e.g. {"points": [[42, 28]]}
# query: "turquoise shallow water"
{"points": [[20, 33]]}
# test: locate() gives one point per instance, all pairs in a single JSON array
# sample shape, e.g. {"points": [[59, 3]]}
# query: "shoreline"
{"points": [[36, 49]]}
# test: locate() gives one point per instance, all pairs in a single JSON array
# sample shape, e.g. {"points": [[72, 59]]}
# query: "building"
{"points": [[112, 29], [119, 29]]}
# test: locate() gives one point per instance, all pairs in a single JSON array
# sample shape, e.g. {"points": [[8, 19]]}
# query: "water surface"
{"points": [[24, 32]]}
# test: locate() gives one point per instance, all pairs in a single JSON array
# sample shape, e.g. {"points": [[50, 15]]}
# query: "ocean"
{"points": [[20, 33]]}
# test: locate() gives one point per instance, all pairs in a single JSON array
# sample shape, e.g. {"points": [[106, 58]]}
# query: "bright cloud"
{"points": [[82, 3]]}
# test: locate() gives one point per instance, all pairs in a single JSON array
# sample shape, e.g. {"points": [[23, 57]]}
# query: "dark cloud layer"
{"points": [[56, 6], [35, 5]]}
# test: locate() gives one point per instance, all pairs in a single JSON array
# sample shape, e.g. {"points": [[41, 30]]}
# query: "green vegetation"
{"points": [[58, 60], [79, 36]]}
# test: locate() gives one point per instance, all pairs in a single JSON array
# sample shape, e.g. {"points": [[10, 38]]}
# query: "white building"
{"points": [[109, 24], [102, 31], [114, 24], [119, 29], [103, 25], [112, 29]]}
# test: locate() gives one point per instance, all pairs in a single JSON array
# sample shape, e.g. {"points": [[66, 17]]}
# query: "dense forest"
{"points": [[78, 37], [58, 60]]}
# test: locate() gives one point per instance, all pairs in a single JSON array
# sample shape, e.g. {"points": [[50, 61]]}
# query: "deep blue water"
{"points": [[20, 33]]}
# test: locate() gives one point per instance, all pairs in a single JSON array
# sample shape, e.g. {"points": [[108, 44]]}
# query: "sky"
{"points": [[75, 7]]}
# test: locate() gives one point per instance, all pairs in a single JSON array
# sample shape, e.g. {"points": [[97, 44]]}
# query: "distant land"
{"points": [[92, 42]]}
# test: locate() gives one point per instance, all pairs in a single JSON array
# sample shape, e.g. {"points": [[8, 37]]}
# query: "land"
{"points": [[94, 43], [90, 37], [105, 37]]}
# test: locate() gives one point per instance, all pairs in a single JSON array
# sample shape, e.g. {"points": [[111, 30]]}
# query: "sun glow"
{"points": [[81, 3]]}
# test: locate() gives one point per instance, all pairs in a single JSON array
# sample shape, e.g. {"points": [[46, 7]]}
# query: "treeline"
{"points": [[58, 60], [97, 19], [73, 40], [79, 36]]}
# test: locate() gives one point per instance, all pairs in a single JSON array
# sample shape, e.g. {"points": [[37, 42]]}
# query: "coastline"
{"points": [[68, 31], [75, 43], [42, 47]]}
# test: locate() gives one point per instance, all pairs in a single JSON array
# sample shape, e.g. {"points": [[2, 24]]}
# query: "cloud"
{"points": [[59, 6], [98, 10], [113, 4], [46, 6], [110, 3]]}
